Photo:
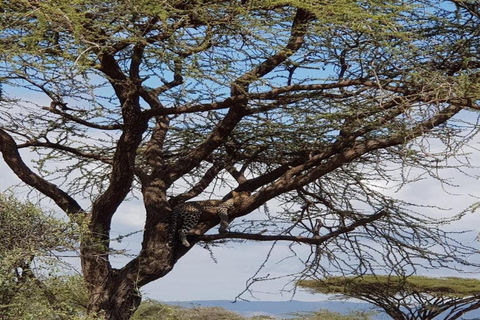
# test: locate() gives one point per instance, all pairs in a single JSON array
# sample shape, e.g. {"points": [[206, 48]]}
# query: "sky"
{"points": [[198, 276]]}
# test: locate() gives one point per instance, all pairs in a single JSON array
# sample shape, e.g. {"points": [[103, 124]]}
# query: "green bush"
{"points": [[329, 315], [30, 242], [154, 310]]}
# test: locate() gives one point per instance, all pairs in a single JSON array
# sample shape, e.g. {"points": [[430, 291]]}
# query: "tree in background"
{"points": [[311, 103], [406, 298], [29, 244]]}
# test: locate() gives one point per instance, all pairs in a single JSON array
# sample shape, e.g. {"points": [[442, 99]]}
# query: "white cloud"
{"points": [[130, 215], [197, 277]]}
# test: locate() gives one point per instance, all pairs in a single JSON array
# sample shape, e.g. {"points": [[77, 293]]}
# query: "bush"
{"points": [[329, 315], [29, 245], [154, 310]]}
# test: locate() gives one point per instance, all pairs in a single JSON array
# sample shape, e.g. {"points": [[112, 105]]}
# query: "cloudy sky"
{"points": [[198, 276]]}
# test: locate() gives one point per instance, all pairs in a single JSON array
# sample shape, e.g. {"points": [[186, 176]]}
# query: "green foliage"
{"points": [[391, 285], [154, 310], [49, 298], [406, 298], [30, 241], [262, 317], [208, 313], [329, 315], [28, 231]]}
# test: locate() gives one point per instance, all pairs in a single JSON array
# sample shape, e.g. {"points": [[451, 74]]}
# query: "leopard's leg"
{"points": [[182, 234], [223, 214]]}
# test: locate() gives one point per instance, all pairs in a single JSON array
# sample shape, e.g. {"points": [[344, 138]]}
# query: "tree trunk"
{"points": [[115, 298], [114, 293]]}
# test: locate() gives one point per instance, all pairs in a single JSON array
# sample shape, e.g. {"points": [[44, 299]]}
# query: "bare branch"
{"points": [[72, 151], [225, 104], [200, 186], [9, 150], [316, 240]]}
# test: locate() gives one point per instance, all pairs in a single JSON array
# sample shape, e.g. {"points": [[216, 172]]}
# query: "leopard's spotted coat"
{"points": [[187, 215]]}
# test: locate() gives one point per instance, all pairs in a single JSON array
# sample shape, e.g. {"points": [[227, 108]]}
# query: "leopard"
{"points": [[186, 216]]}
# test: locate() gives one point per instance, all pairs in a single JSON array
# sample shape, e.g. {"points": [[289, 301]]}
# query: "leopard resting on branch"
{"points": [[186, 216]]}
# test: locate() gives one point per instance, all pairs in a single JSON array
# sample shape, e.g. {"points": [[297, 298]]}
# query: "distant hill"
{"points": [[276, 308], [281, 309]]}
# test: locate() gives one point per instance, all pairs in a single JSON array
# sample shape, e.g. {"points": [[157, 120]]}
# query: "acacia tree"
{"points": [[308, 102], [406, 298]]}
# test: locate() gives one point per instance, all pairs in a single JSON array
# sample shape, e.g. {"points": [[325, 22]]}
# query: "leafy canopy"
{"points": [[406, 298], [391, 285], [312, 103]]}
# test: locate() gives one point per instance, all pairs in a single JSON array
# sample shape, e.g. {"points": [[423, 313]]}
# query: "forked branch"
{"points": [[11, 156]]}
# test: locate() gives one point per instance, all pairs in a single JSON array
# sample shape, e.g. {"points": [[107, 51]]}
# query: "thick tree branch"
{"points": [[225, 104], [10, 153], [238, 175], [136, 61], [123, 168], [275, 94], [115, 76], [121, 178], [177, 79], [221, 131], [199, 187], [154, 147], [298, 31]]}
